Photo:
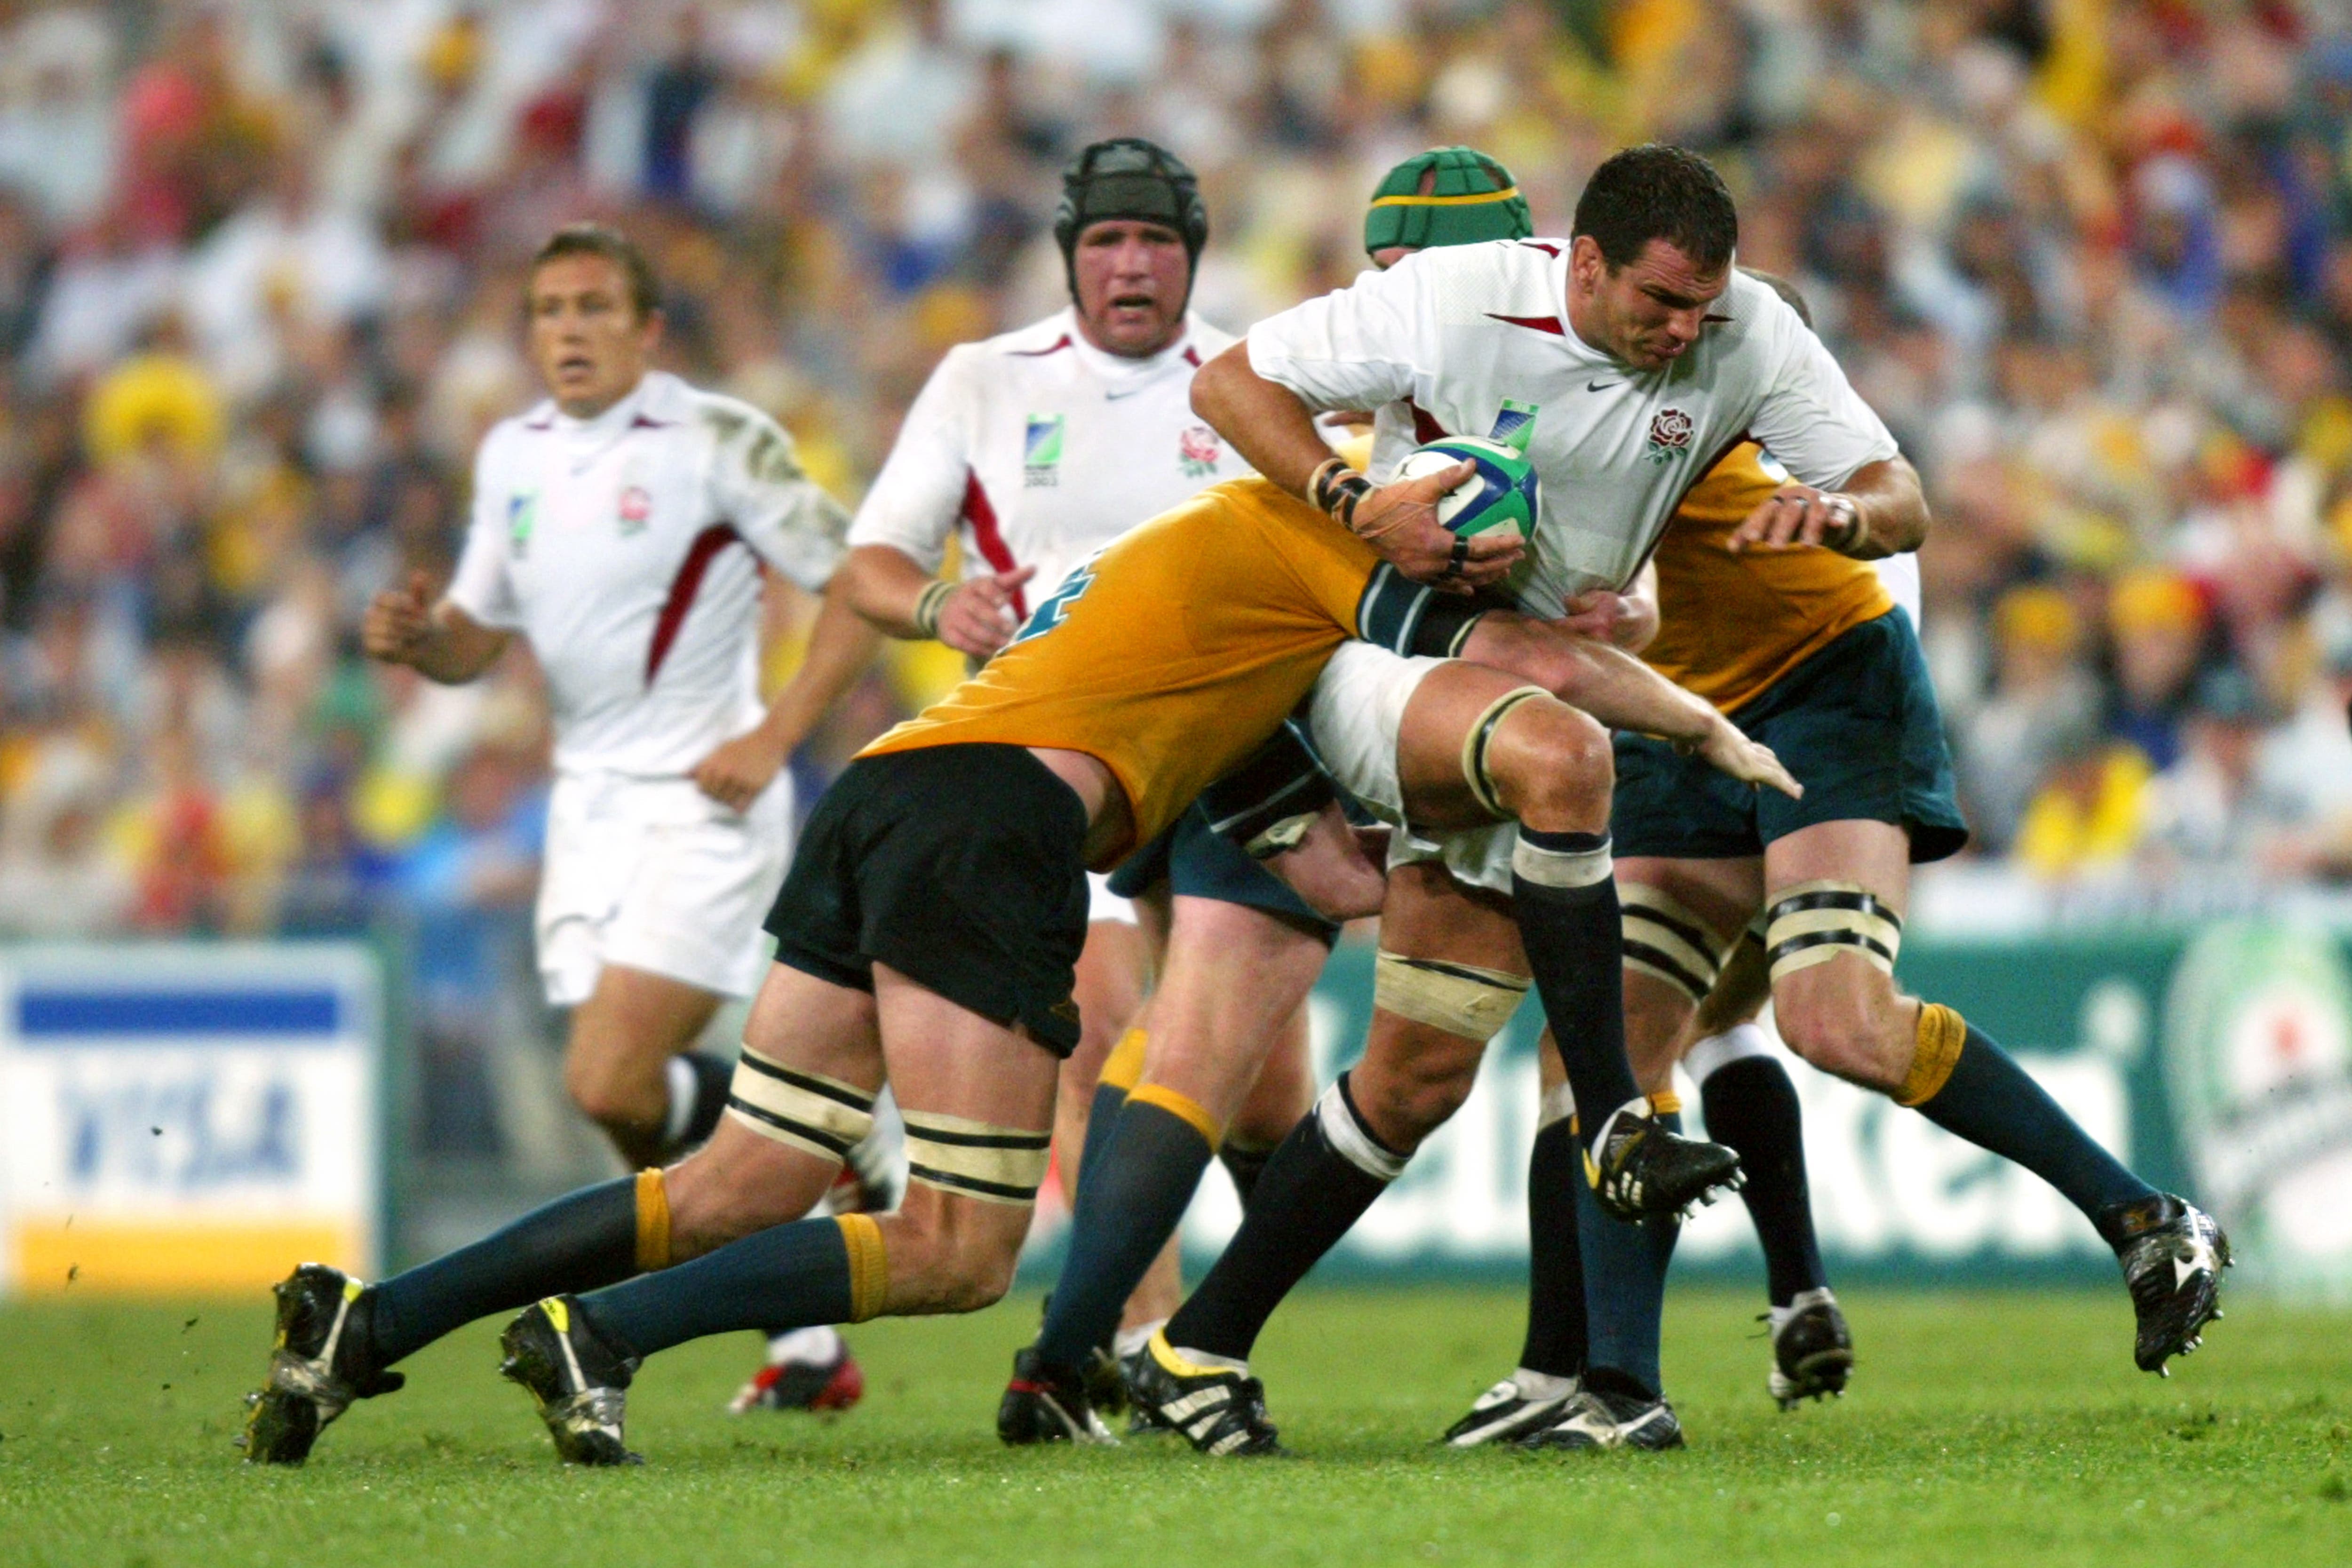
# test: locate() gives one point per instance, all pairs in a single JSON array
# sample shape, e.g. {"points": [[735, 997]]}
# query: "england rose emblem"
{"points": [[1197, 451], [1670, 435]]}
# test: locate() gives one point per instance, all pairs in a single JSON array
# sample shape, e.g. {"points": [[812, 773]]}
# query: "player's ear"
{"points": [[650, 329]]}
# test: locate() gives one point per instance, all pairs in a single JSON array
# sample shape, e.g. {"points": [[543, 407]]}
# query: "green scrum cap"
{"points": [[1447, 196]]}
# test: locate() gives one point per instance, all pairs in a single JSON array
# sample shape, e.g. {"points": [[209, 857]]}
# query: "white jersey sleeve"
{"points": [[482, 587], [759, 488], [1811, 417], [1371, 344], [918, 498]]}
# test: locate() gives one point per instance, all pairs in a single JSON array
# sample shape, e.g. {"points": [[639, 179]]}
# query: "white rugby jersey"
{"points": [[628, 549], [1474, 339], [1043, 448]]}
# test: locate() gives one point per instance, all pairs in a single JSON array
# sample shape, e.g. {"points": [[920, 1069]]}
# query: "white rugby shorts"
{"points": [[653, 874], [1102, 904], [1355, 717]]}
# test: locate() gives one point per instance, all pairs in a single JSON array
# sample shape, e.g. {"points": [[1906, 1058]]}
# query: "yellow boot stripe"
{"points": [[1665, 1102], [1167, 1356], [653, 1222], [1124, 1066], [1942, 1033], [1180, 1105], [869, 1268]]}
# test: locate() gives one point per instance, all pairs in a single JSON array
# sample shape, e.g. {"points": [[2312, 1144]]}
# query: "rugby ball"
{"points": [[1503, 494]]}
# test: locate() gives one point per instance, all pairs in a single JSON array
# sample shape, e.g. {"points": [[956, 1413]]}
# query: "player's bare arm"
{"points": [[1270, 426], [439, 641], [1881, 511], [975, 617], [841, 646]]}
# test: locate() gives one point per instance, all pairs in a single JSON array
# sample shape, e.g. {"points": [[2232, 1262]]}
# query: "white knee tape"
{"points": [[1716, 1052], [1481, 735], [822, 1115], [1354, 1141], [1462, 999], [1812, 922], [1000, 1165], [1666, 940]]}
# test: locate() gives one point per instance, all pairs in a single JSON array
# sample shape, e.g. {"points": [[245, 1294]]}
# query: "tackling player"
{"points": [[1041, 445], [622, 526], [1621, 361], [929, 933]]}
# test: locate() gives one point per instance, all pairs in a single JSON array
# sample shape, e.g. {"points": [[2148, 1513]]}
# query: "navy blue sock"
{"points": [[786, 1277], [1131, 1196], [1751, 1106], [1555, 1342], [1566, 902], [579, 1242], [1310, 1194], [1102, 1122], [1995, 1104], [1625, 1290], [1244, 1166]]}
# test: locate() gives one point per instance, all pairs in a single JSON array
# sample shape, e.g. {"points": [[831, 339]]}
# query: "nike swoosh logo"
{"points": [[1602, 385], [1130, 391]]}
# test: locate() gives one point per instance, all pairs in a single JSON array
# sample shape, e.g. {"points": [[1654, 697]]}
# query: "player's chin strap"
{"points": [[1813, 922]]}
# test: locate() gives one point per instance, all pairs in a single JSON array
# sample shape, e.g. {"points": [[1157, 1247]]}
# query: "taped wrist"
{"points": [[995, 1164], [1266, 804], [1812, 922], [821, 1115], [1482, 736], [927, 608], [1663, 940], [1344, 1129], [1462, 999], [1849, 530], [1335, 488]]}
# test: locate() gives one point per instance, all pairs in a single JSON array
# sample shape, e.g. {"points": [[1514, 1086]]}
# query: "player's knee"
{"points": [[1837, 1028], [611, 1095], [1563, 765], [937, 1265], [1407, 1094]]}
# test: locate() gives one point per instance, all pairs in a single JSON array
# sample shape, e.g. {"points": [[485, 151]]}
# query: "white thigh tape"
{"points": [[1355, 1145], [809, 1111], [1665, 940], [1000, 1165], [1462, 999], [1561, 868], [1712, 1055], [1812, 922]]}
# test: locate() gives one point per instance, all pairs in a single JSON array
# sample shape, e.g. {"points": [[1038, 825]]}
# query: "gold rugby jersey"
{"points": [[1729, 626], [1173, 653]]}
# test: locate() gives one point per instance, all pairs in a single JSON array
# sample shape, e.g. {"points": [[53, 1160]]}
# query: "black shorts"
{"points": [[1198, 862], [961, 866]]}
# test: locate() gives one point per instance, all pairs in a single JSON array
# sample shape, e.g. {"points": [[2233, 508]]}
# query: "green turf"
{"points": [[2008, 1424]]}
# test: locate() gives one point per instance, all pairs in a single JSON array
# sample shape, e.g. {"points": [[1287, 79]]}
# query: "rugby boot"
{"points": [[795, 1379], [1813, 1349], [1639, 1168], [322, 1361], [1506, 1412], [1044, 1404], [1140, 1422], [2172, 1256], [1219, 1410], [1606, 1418], [579, 1381]]}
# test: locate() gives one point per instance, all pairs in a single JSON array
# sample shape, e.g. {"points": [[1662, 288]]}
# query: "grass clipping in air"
{"points": [[2008, 1424]]}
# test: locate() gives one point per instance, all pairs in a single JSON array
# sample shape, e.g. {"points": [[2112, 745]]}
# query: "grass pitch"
{"points": [[1978, 1424]]}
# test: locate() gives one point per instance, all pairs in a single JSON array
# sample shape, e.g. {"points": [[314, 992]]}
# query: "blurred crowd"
{"points": [[260, 267]]}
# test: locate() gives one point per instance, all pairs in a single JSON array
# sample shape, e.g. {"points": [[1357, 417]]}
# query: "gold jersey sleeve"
{"points": [[1172, 654], [1729, 626]]}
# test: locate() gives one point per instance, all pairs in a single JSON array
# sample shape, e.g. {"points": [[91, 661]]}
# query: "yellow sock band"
{"points": [[653, 1222], [869, 1271], [1182, 1106], [1665, 1102], [1942, 1033], [1125, 1063]]}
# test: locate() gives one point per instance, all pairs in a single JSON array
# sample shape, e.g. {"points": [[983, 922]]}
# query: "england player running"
{"points": [[623, 528], [1038, 448], [1621, 361], [928, 934]]}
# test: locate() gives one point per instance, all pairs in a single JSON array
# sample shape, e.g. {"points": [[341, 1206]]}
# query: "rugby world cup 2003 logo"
{"points": [[1041, 451], [2258, 1066], [1670, 435]]}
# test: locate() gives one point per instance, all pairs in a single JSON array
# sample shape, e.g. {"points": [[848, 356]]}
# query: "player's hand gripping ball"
{"points": [[1503, 494]]}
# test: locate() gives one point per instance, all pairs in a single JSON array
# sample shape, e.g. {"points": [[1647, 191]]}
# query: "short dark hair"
{"points": [[1657, 192], [601, 239]]}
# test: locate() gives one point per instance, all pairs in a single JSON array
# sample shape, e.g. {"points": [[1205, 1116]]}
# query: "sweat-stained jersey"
{"points": [[1474, 339], [1173, 654], [628, 549], [1729, 626], [1042, 450]]}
